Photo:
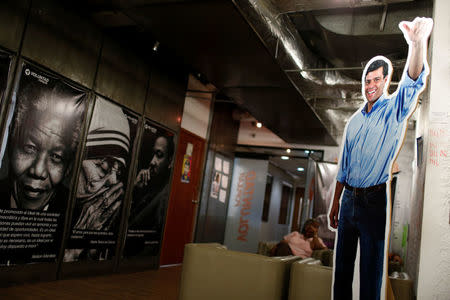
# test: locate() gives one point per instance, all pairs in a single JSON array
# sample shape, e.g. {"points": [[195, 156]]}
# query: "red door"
{"points": [[183, 197]]}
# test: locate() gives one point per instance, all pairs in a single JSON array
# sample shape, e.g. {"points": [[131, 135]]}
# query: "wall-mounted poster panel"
{"points": [[102, 183], [5, 63], [151, 192], [38, 152]]}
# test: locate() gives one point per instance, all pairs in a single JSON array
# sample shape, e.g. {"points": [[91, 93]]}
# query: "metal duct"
{"points": [[333, 96], [282, 40]]}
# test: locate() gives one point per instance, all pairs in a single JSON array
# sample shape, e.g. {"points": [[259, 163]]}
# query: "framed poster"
{"points": [[38, 152], [102, 182], [150, 192], [5, 64]]}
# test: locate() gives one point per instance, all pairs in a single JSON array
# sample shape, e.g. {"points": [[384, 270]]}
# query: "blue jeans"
{"points": [[363, 216]]}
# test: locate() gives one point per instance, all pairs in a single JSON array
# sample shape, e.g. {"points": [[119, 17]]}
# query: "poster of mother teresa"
{"points": [[372, 139], [102, 182]]}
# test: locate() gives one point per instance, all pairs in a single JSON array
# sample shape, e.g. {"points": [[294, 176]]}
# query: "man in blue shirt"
{"points": [[371, 142]]}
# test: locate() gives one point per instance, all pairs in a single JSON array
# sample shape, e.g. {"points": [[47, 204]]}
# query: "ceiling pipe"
{"points": [[282, 40]]}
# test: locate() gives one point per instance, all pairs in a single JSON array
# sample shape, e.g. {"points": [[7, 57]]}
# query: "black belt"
{"points": [[369, 189]]}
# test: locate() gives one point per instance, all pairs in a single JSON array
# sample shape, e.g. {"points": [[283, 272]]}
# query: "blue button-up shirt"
{"points": [[371, 139]]}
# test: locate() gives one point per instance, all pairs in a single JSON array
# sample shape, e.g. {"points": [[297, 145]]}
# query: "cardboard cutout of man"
{"points": [[371, 142]]}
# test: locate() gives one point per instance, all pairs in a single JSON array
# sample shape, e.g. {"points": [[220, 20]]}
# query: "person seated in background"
{"points": [[300, 244]]}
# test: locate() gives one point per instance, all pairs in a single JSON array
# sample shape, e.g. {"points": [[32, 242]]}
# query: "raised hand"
{"points": [[417, 30]]}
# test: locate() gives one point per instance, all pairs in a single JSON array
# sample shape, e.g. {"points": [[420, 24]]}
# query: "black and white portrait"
{"points": [[151, 191], [38, 154], [41, 143], [102, 182]]}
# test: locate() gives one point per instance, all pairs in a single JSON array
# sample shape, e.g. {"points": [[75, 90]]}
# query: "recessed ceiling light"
{"points": [[155, 46], [288, 150], [285, 157], [259, 124], [300, 169], [307, 151]]}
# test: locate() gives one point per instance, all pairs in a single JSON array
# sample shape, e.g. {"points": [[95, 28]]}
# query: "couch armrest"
{"points": [[310, 282]]}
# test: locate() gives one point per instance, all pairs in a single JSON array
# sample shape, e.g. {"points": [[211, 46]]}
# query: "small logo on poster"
{"points": [[39, 77]]}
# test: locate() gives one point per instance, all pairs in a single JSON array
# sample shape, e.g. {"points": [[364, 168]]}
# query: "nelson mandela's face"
{"points": [[39, 161]]}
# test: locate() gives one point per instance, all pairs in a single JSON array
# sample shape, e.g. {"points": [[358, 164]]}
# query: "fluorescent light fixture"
{"points": [[288, 150], [259, 124], [284, 157], [300, 169]]}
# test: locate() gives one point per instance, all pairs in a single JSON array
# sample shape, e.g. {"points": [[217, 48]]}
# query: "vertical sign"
{"points": [[246, 204]]}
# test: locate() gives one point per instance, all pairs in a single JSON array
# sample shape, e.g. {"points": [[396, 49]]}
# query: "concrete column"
{"points": [[434, 266]]}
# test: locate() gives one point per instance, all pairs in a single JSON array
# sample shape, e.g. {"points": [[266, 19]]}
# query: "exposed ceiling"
{"points": [[295, 65]]}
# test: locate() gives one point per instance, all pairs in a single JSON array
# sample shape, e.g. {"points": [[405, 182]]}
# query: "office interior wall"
{"points": [[13, 16], [122, 76], [166, 92], [223, 134], [68, 45], [196, 115], [62, 42]]}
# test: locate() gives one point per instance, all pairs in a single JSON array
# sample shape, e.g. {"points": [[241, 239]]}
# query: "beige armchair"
{"points": [[210, 271]]}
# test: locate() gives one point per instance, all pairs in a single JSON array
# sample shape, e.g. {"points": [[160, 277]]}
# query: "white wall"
{"points": [[197, 107], [434, 268], [196, 116]]}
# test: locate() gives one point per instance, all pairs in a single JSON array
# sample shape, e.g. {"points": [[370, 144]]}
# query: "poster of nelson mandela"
{"points": [[37, 155]]}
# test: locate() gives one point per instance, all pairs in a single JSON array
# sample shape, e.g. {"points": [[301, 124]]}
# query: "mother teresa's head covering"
{"points": [[109, 132]]}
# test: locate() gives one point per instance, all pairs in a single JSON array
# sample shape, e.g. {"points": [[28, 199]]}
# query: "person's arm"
{"points": [[335, 206], [417, 32], [316, 242]]}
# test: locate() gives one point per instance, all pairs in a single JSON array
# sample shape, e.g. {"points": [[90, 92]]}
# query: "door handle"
{"points": [[194, 201]]}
